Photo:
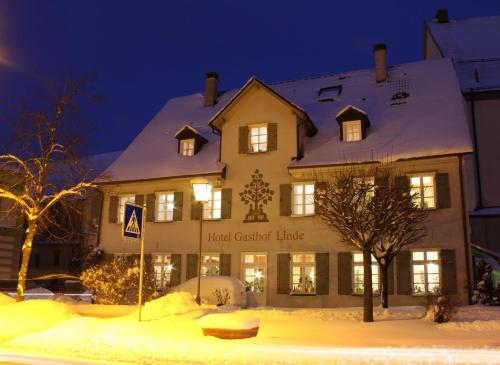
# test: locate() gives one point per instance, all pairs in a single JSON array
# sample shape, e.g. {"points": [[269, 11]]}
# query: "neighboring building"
{"points": [[473, 45], [282, 139], [10, 241]]}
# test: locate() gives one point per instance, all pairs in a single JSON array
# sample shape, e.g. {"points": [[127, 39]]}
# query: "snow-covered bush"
{"points": [[116, 281], [92, 257], [485, 292], [441, 310]]}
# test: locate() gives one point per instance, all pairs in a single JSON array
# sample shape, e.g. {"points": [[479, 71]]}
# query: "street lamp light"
{"points": [[202, 191]]}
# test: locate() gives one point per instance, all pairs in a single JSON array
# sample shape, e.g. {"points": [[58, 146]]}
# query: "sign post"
{"points": [[133, 229]]}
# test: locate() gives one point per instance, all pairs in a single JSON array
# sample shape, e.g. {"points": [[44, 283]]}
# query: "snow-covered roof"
{"points": [[418, 112], [474, 45]]}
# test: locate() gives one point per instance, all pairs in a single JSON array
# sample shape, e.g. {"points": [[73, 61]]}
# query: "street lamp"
{"points": [[202, 190]]}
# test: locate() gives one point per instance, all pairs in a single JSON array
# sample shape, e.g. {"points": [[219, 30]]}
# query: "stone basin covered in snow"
{"points": [[229, 325]]}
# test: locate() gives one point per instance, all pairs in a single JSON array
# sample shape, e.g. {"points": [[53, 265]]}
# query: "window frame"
{"points": [[121, 207], [164, 268], [425, 262], [303, 199], [250, 144], [157, 206], [302, 273], [421, 175], [355, 264], [254, 265], [215, 264], [211, 208], [184, 142], [346, 133]]}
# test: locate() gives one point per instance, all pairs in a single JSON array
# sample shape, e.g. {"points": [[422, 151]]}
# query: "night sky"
{"points": [[145, 52]]}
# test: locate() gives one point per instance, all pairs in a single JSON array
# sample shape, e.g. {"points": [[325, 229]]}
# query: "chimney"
{"points": [[380, 55], [211, 79], [442, 16]]}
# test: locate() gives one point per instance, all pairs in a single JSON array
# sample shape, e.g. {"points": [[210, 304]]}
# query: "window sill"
{"points": [[172, 221], [302, 294], [302, 215], [426, 295], [210, 219]]}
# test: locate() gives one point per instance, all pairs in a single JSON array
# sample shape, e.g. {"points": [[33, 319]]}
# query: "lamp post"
{"points": [[202, 190]]}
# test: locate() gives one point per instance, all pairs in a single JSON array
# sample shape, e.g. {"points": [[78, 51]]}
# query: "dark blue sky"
{"points": [[145, 52]]}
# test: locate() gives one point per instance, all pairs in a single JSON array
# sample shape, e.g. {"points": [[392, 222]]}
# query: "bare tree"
{"points": [[373, 212], [40, 170]]}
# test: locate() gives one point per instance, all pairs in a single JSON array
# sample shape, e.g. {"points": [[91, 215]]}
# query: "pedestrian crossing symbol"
{"points": [[132, 221]]}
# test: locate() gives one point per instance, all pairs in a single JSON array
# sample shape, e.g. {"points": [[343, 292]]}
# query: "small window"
{"points": [[258, 138], [303, 199], [359, 274], [187, 147], [423, 191], [425, 272], [162, 264], [165, 207], [212, 209], [210, 264], [303, 273], [352, 131], [122, 200]]}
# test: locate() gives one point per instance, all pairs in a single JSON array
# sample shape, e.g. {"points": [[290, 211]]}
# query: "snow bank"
{"points": [[473, 318], [6, 299], [233, 321], [210, 283], [171, 304]]}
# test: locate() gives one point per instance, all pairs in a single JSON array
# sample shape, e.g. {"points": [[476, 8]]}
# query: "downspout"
{"points": [[467, 249], [476, 150], [98, 239]]}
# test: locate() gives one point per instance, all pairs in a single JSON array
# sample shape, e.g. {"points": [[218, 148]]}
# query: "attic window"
{"points": [[187, 147], [329, 93], [353, 123], [352, 131], [190, 141]]}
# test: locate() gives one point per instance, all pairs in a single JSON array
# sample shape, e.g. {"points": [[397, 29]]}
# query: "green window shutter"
{"points": [[345, 273], [381, 183], [95, 207], [323, 273], [113, 209], [151, 207], [225, 264], [283, 273], [175, 275], [226, 203], [390, 274], [139, 199], [403, 269], [178, 202], [402, 183], [448, 272], [285, 199], [243, 140], [341, 131], [195, 208], [443, 190], [192, 266], [272, 136], [318, 185]]}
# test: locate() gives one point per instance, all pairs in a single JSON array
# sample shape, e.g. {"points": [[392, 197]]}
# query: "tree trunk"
{"points": [[26, 250], [367, 285], [384, 289]]}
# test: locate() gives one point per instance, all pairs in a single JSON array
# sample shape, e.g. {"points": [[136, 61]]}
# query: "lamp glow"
{"points": [[202, 189]]}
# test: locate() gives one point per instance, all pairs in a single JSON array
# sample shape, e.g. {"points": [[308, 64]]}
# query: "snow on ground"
{"points": [[170, 333]]}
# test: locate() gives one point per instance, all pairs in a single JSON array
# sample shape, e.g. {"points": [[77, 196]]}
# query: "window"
{"points": [[121, 205], [210, 265], [165, 207], [212, 209], [425, 270], [258, 138], [352, 131], [254, 270], [162, 264], [367, 182], [422, 190], [359, 274], [303, 273], [303, 199], [187, 147]]}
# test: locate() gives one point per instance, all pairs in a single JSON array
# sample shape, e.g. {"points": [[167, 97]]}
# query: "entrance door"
{"points": [[254, 276]]}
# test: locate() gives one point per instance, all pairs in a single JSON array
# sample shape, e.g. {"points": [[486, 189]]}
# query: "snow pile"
{"points": [[31, 316], [208, 286], [233, 321], [6, 299], [171, 304], [474, 318]]}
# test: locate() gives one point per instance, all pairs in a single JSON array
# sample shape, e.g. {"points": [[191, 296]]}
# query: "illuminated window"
{"points": [[422, 190], [210, 265], [359, 274], [212, 209], [254, 271], [165, 207], [258, 138], [187, 147], [368, 183], [162, 264], [425, 270], [303, 199], [122, 200], [303, 273], [351, 131]]}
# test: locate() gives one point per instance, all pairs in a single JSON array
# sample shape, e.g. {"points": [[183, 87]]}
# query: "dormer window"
{"points": [[187, 147], [258, 138], [352, 131], [353, 123]]}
